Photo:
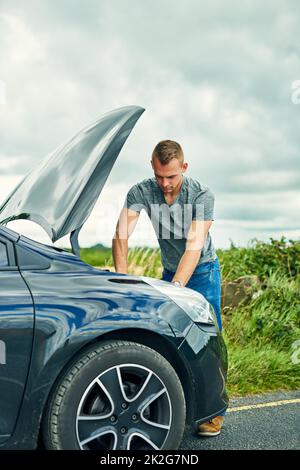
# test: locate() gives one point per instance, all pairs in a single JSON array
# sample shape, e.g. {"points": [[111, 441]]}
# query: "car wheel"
{"points": [[117, 395]]}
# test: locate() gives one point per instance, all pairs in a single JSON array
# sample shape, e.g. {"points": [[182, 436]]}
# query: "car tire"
{"points": [[116, 395]]}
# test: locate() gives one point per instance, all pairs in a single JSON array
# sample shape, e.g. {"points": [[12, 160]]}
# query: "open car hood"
{"points": [[61, 192]]}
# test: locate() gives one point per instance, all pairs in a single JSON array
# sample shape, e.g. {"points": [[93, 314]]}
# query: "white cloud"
{"points": [[20, 43], [215, 77], [8, 183]]}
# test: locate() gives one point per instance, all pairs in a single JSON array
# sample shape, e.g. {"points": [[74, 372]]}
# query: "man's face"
{"points": [[168, 176]]}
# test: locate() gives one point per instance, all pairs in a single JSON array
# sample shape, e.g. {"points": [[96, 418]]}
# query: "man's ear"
{"points": [[151, 163], [184, 167]]}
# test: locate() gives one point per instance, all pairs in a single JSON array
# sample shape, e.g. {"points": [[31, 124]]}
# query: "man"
{"points": [[181, 211]]}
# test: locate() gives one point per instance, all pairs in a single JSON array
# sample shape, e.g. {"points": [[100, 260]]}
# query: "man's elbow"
{"points": [[119, 239], [120, 233], [195, 248]]}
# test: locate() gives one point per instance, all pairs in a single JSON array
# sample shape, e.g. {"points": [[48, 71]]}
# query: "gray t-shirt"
{"points": [[172, 222]]}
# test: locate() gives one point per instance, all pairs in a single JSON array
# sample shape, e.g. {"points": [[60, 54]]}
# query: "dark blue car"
{"points": [[92, 359]]}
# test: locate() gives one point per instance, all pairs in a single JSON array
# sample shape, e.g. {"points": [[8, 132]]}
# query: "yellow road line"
{"points": [[263, 405]]}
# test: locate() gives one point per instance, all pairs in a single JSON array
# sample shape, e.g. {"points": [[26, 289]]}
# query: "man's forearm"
{"points": [[120, 255], [187, 265]]}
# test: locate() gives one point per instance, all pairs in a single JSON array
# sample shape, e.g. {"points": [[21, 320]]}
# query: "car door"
{"points": [[16, 335]]}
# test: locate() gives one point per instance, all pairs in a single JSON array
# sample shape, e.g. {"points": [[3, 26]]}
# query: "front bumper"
{"points": [[205, 355]]}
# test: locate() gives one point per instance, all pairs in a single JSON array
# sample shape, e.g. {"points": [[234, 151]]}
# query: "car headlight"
{"points": [[192, 302]]}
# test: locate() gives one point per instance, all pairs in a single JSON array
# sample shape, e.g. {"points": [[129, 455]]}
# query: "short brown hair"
{"points": [[165, 150]]}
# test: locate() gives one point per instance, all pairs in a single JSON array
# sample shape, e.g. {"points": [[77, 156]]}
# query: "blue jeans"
{"points": [[206, 279]]}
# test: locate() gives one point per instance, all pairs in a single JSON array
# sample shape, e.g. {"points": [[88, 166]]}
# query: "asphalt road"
{"points": [[270, 421]]}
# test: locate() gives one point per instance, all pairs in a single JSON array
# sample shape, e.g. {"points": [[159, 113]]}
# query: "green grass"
{"points": [[260, 370], [259, 335], [95, 257], [261, 258]]}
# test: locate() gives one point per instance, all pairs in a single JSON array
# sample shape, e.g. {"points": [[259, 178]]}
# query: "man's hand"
{"points": [[125, 226], [195, 241]]}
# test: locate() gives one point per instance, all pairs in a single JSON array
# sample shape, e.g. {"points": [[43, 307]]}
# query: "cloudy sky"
{"points": [[220, 77]]}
